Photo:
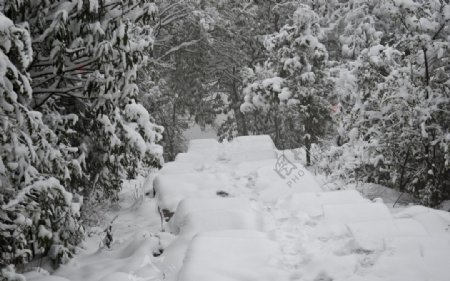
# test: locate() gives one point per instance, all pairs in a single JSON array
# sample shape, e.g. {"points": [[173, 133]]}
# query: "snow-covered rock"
{"points": [[312, 203], [173, 168], [200, 222], [170, 189], [205, 206], [232, 255], [372, 235], [360, 212]]}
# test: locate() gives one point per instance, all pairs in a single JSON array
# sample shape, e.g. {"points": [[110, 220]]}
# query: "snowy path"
{"points": [[239, 212], [277, 224]]}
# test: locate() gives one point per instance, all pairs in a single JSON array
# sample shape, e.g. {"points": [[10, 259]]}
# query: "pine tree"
{"points": [[72, 122], [85, 68], [34, 204], [394, 108], [296, 98], [176, 77]]}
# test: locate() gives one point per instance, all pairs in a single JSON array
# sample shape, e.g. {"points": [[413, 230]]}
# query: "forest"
{"points": [[94, 92]]}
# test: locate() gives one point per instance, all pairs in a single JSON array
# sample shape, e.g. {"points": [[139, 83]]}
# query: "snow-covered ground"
{"points": [[137, 239], [244, 211]]}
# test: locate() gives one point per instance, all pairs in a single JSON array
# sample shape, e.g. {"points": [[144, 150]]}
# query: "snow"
{"points": [[360, 212], [179, 168], [447, 12], [242, 219], [274, 83], [285, 94], [406, 4], [445, 206], [44, 233], [22, 220], [202, 145], [5, 24], [170, 190], [9, 273], [202, 215], [201, 206], [435, 222], [312, 203], [254, 143], [232, 255], [371, 235], [273, 187], [136, 236], [199, 222], [422, 259], [410, 227], [39, 186], [244, 156]]}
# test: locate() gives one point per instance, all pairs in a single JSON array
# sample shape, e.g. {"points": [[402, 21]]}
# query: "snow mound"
{"points": [[198, 222], [412, 259], [372, 235], [196, 205], [203, 145], [251, 148], [312, 203], [274, 186], [194, 216], [247, 168], [173, 168], [254, 143], [241, 214], [171, 189], [195, 158], [350, 213], [417, 246], [232, 255], [244, 156], [437, 223]]}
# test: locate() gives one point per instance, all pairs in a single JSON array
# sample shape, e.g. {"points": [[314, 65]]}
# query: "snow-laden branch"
{"points": [[179, 47], [69, 69], [175, 17]]}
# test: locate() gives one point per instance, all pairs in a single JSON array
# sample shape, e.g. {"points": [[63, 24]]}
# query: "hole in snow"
{"points": [[222, 193]]}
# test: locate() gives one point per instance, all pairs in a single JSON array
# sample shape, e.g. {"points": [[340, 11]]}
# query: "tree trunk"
{"points": [[308, 152], [170, 147], [242, 127], [277, 133], [277, 129], [403, 182], [308, 142], [240, 117], [236, 105], [427, 71]]}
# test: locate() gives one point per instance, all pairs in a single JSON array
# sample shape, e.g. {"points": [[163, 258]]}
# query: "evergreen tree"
{"points": [[296, 99], [86, 58], [176, 76], [72, 122], [397, 95], [34, 205]]}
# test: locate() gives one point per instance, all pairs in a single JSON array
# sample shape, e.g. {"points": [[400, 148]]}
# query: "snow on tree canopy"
{"points": [[30, 153], [71, 121]]}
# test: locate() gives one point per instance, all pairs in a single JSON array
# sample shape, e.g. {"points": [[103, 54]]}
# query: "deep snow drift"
{"points": [[244, 211]]}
